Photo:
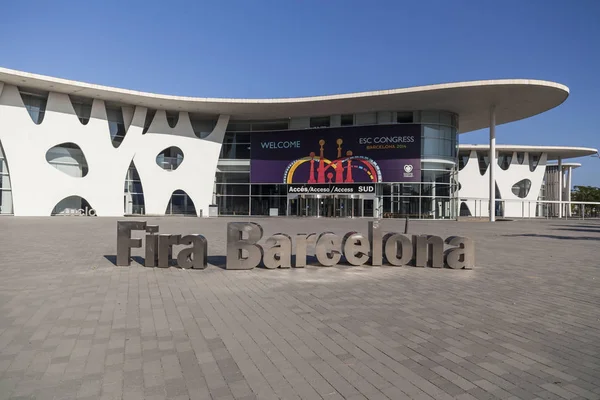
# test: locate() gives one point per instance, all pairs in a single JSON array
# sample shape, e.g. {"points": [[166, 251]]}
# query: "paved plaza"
{"points": [[524, 324]]}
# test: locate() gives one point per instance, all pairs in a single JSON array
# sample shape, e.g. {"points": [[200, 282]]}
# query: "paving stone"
{"points": [[522, 324]]}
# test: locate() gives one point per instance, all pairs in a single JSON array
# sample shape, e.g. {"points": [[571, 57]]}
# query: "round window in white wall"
{"points": [[521, 188], [69, 159]]}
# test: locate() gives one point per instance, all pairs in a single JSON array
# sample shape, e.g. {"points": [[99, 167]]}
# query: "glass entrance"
{"points": [[330, 206], [346, 206]]}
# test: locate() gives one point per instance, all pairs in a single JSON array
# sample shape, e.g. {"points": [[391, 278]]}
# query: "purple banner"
{"points": [[358, 154]]}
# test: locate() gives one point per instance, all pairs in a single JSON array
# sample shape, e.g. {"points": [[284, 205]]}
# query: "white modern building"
{"points": [[68, 146], [527, 179]]}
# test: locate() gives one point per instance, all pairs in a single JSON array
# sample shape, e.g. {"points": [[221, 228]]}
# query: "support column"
{"points": [[560, 187], [492, 166], [568, 188], [214, 196], [433, 202]]}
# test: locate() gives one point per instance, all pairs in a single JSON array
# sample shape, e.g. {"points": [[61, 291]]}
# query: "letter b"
{"points": [[237, 245]]}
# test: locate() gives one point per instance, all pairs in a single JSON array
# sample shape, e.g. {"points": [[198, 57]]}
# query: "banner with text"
{"points": [[358, 154], [331, 188]]}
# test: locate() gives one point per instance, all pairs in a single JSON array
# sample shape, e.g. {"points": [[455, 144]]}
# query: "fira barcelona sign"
{"points": [[245, 252]]}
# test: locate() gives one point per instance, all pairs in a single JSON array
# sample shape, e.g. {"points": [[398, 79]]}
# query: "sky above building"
{"points": [[265, 49]]}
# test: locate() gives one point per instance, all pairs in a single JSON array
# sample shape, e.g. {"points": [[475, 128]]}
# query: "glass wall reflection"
{"points": [[433, 197]]}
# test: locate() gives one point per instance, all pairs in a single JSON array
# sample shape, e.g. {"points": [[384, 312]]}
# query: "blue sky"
{"points": [[286, 48]]}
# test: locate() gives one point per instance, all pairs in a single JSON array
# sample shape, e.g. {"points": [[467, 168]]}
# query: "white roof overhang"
{"points": [[514, 99]]}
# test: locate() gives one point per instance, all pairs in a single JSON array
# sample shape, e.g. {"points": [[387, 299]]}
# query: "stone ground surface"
{"points": [[524, 324]]}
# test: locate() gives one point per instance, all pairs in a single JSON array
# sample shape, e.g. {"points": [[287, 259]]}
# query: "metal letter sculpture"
{"points": [[429, 251], [376, 243], [237, 245], [165, 249], [196, 256], [150, 259], [302, 240], [398, 249], [124, 241], [244, 252], [462, 256], [356, 248], [328, 250], [280, 252]]}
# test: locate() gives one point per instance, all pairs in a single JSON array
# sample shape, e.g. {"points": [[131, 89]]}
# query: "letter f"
{"points": [[124, 241]]}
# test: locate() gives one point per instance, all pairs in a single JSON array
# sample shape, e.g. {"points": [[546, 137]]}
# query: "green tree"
{"points": [[587, 193]]}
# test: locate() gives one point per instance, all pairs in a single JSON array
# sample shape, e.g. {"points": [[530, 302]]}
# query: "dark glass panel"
{"points": [[269, 190], [233, 205], [231, 189]]}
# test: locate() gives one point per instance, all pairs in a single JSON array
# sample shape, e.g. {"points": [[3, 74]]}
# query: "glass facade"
{"points": [[170, 158], [6, 204], [133, 192], [69, 159], [35, 103], [71, 205], [504, 160], [82, 107], [434, 197], [534, 160], [116, 124], [180, 204], [521, 188], [236, 146], [149, 118]]}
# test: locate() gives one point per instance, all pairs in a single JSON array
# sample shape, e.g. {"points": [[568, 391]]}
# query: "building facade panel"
{"points": [[473, 191], [37, 186], [528, 183]]}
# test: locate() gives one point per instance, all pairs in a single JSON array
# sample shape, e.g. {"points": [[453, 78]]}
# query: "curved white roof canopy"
{"points": [[514, 99], [554, 152]]}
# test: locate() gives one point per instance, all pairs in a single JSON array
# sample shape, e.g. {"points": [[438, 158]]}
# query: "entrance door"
{"points": [[368, 208], [329, 206], [357, 207], [311, 206], [342, 206], [305, 206], [349, 207]]}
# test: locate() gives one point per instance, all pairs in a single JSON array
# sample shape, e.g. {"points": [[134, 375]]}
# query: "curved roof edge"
{"points": [[554, 152], [412, 89], [514, 99]]}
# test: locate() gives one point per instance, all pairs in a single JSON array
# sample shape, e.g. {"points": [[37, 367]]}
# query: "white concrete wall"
{"points": [[475, 185], [195, 175], [37, 187]]}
